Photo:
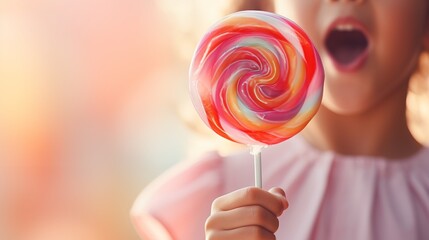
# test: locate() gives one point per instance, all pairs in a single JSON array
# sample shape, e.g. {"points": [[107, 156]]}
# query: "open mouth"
{"points": [[347, 44]]}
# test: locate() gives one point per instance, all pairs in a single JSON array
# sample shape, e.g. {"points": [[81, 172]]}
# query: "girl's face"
{"points": [[369, 47]]}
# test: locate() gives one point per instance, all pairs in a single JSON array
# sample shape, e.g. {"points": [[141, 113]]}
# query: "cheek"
{"points": [[399, 33], [306, 14], [397, 47], [303, 12]]}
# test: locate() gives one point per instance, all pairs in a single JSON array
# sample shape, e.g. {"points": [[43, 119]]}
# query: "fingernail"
{"points": [[285, 203]]}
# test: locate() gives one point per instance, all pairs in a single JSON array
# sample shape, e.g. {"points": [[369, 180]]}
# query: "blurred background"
{"points": [[94, 105]]}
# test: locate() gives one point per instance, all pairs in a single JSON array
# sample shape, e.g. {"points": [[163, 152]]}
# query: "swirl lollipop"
{"points": [[256, 79]]}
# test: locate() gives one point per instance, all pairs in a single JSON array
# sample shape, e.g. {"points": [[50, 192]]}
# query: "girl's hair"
{"points": [[418, 99], [239, 5]]}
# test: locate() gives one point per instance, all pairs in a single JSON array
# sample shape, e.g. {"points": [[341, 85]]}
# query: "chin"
{"points": [[345, 107]]}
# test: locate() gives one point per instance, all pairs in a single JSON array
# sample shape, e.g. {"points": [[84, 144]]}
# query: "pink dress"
{"points": [[331, 196]]}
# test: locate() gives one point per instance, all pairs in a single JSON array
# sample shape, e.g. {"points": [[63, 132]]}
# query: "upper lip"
{"points": [[348, 23]]}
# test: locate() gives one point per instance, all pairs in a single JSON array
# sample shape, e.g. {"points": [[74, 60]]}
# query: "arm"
{"points": [[176, 205]]}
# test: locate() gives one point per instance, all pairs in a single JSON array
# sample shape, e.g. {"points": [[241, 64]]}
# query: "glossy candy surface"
{"points": [[256, 78]]}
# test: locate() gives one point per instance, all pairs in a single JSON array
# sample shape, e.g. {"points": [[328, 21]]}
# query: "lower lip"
{"points": [[353, 66]]}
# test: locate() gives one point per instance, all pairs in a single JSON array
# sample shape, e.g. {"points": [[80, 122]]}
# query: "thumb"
{"points": [[281, 195]]}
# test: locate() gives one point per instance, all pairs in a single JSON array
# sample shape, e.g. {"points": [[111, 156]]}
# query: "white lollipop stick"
{"points": [[256, 152]]}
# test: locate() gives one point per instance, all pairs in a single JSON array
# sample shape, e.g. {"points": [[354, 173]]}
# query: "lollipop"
{"points": [[256, 79]]}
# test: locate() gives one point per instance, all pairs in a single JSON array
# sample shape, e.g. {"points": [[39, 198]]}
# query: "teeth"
{"points": [[345, 27]]}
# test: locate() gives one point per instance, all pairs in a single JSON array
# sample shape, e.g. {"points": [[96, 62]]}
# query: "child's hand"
{"points": [[249, 213]]}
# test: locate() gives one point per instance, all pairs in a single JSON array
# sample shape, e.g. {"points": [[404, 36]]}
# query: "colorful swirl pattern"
{"points": [[256, 78]]}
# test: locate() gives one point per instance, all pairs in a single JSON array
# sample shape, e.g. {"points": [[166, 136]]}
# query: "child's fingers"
{"points": [[277, 190], [244, 233], [254, 215], [282, 194], [274, 203]]}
